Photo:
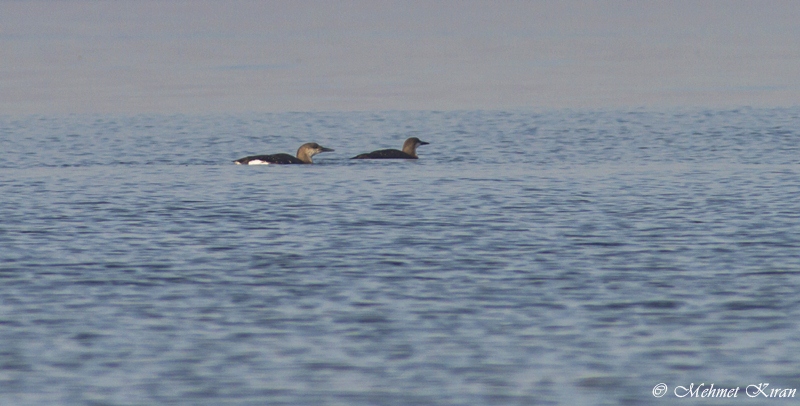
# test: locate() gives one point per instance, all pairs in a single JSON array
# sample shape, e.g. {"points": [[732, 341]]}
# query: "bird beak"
{"points": [[323, 149], [423, 143]]}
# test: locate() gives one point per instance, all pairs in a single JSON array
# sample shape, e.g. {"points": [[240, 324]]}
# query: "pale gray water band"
{"points": [[205, 56], [562, 257]]}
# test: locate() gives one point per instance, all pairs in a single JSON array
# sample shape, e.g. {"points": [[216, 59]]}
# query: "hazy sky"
{"points": [[233, 56]]}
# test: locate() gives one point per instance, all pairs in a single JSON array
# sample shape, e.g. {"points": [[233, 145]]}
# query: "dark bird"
{"points": [[304, 154], [409, 151]]}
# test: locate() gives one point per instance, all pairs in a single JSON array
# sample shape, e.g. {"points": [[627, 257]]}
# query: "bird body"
{"points": [[304, 154], [409, 151]]}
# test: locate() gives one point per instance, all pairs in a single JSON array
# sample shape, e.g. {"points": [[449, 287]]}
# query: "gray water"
{"points": [[557, 257]]}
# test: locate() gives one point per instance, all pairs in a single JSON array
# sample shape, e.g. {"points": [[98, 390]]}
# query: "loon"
{"points": [[409, 151], [304, 154]]}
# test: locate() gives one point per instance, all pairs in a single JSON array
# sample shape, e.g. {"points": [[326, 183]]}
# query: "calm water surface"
{"points": [[565, 257]]}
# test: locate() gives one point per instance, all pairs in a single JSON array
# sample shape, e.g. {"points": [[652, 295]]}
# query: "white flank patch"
{"points": [[258, 162]]}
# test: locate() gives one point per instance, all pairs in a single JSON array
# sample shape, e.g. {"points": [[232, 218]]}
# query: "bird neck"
{"points": [[410, 149], [304, 155]]}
